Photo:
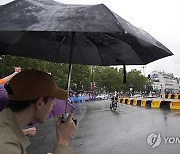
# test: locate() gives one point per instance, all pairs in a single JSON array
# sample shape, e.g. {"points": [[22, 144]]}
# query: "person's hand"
{"points": [[64, 131], [17, 69], [30, 131]]}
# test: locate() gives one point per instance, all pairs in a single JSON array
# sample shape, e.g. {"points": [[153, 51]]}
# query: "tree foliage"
{"points": [[107, 79]]}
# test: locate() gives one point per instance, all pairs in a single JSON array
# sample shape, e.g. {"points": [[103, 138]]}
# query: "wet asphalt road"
{"points": [[125, 131]]}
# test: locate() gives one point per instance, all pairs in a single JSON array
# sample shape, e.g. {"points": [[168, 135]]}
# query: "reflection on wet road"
{"points": [[123, 131]]}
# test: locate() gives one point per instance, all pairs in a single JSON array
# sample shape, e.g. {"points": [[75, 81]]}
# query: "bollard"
{"points": [[176, 96], [135, 102], [123, 100], [175, 105], [169, 96], [155, 104], [143, 103], [129, 101]]}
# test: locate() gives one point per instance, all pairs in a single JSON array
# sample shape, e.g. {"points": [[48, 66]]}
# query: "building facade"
{"points": [[164, 82]]}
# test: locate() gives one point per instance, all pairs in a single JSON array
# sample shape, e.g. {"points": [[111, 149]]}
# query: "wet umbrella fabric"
{"points": [[82, 34]]}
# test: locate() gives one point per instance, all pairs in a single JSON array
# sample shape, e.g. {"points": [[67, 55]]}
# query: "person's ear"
{"points": [[39, 103]]}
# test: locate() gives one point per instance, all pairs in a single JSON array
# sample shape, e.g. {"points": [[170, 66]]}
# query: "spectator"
{"points": [[9, 77], [31, 96], [28, 131]]}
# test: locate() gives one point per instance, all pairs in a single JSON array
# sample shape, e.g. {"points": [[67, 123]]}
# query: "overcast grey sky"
{"points": [[160, 18]]}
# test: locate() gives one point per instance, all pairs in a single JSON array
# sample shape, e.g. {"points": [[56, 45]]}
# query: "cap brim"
{"points": [[60, 94]]}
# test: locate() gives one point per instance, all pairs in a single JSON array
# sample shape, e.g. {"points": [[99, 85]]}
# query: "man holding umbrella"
{"points": [[31, 96]]}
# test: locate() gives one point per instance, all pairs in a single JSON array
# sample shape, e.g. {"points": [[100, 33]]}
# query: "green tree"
{"points": [[136, 80], [107, 79], [80, 78], [59, 71]]}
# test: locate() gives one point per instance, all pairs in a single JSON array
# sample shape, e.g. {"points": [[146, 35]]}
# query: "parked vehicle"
{"points": [[102, 97], [137, 96]]}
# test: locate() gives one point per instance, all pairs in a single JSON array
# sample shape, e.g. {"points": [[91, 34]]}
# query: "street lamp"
{"points": [[150, 82], [131, 90], [144, 70]]}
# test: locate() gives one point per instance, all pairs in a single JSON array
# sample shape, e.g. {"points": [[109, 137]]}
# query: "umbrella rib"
{"points": [[114, 17], [111, 45], [125, 42], [60, 47], [13, 39], [94, 45]]}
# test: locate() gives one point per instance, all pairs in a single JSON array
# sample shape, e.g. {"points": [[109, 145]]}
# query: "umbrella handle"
{"points": [[65, 116]]}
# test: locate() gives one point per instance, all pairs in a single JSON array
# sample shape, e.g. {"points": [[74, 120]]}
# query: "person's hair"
{"points": [[17, 106]]}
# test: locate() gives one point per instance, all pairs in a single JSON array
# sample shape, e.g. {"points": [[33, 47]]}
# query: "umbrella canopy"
{"points": [[59, 108], [82, 34]]}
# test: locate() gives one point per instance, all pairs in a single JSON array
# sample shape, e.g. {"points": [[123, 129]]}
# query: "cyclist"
{"points": [[114, 100]]}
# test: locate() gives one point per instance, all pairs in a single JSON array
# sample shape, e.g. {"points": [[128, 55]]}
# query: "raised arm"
{"points": [[9, 77]]}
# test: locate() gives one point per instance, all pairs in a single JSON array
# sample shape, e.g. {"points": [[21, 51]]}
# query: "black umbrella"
{"points": [[43, 29], [78, 34]]}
